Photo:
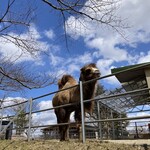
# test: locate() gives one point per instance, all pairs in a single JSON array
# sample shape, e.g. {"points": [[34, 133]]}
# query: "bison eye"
{"points": [[88, 71]]}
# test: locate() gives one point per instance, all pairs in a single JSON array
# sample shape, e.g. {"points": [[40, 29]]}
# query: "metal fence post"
{"points": [[121, 127], [30, 117], [1, 121], [82, 112], [113, 128], [136, 129], [99, 123]]}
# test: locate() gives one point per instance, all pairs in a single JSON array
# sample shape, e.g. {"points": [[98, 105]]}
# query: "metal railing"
{"points": [[99, 120]]}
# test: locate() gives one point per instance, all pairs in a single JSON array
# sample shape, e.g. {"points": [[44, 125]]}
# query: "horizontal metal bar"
{"points": [[119, 119], [137, 126], [117, 95], [41, 96], [83, 83], [15, 104], [66, 105], [71, 104], [99, 99], [87, 122], [54, 92], [145, 121], [113, 74], [38, 111], [104, 97], [138, 111], [42, 126]]}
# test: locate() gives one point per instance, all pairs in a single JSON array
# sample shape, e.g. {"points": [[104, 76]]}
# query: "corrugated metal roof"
{"points": [[132, 78]]}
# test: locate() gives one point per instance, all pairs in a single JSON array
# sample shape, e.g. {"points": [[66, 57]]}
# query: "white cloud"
{"points": [[45, 105], [55, 60], [108, 46], [85, 58], [42, 118], [13, 53], [136, 11], [49, 33], [70, 65], [72, 68], [105, 66], [12, 100], [96, 36], [45, 117], [144, 57], [106, 49], [9, 101]]}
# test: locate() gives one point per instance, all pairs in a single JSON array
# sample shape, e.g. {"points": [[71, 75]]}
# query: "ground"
{"points": [[74, 145]]}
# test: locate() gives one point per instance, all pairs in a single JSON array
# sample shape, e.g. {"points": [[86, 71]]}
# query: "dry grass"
{"points": [[70, 145]]}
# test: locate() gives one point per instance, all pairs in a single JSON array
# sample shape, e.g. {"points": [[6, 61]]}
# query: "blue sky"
{"points": [[90, 43]]}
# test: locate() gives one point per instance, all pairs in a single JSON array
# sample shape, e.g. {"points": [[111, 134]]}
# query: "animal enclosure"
{"points": [[117, 113]]}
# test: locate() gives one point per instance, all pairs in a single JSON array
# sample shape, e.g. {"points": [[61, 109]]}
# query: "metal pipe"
{"points": [[113, 128], [113, 74], [30, 117], [102, 120], [101, 98], [121, 127], [99, 123], [82, 112], [118, 95], [1, 122], [55, 92], [137, 134], [138, 111], [16, 104], [119, 119]]}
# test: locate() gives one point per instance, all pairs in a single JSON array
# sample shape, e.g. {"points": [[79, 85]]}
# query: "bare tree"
{"points": [[13, 19], [22, 119], [18, 18], [16, 76], [103, 12], [19, 108]]}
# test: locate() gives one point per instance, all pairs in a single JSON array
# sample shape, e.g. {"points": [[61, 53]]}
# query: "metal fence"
{"points": [[113, 132]]}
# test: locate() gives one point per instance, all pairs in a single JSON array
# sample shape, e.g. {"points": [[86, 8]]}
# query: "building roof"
{"points": [[129, 73], [131, 78]]}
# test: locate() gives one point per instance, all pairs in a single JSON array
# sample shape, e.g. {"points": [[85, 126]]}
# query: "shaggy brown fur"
{"points": [[61, 98], [60, 85], [72, 95], [66, 79]]}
